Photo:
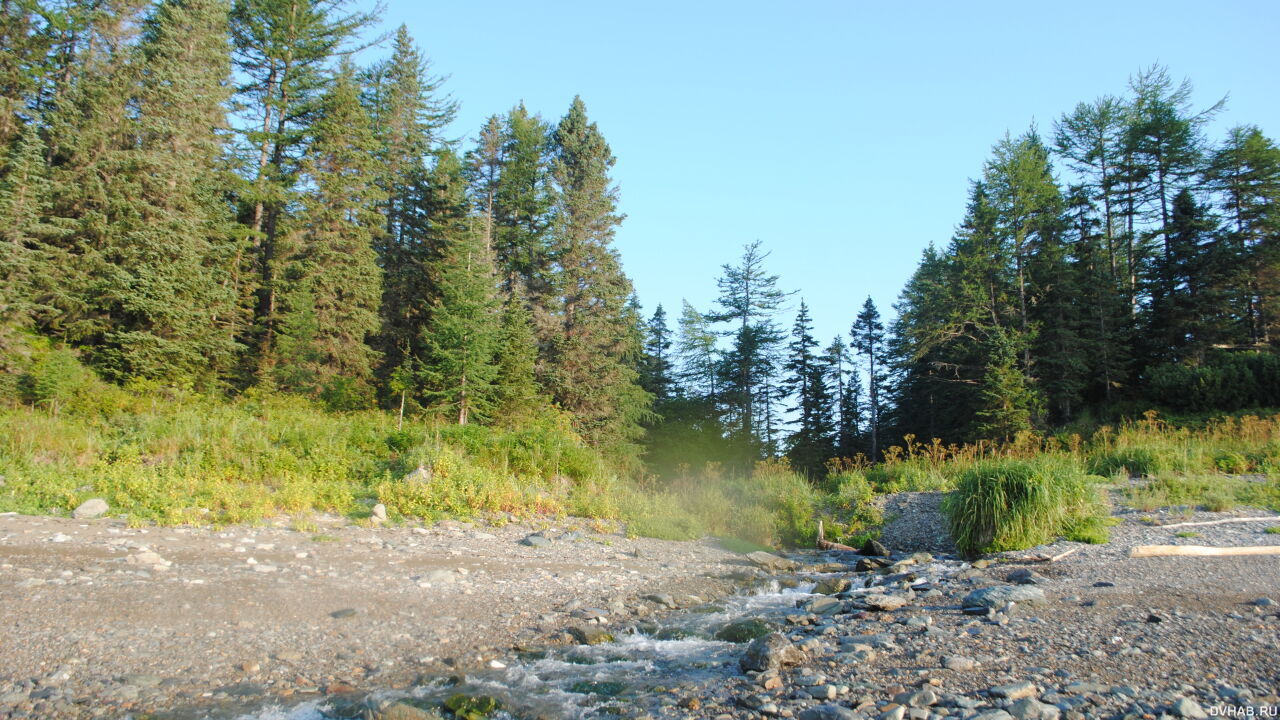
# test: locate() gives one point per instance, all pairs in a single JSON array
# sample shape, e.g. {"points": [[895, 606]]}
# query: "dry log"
{"points": [[1270, 518], [1201, 550], [1047, 558], [825, 544]]}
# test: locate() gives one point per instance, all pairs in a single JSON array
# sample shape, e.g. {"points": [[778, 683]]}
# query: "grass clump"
{"points": [[1014, 504], [1215, 493]]}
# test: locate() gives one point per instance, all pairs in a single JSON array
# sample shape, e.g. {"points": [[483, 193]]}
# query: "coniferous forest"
{"points": [[212, 196]]}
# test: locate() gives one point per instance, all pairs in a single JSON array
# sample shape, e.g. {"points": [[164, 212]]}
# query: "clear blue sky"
{"points": [[842, 135]]}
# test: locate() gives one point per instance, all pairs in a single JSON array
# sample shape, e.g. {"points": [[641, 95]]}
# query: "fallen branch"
{"points": [[1047, 558], [1271, 518], [825, 544], [1201, 550]]}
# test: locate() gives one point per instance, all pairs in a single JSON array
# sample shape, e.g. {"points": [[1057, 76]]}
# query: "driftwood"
{"points": [[1271, 518], [825, 544], [1047, 558], [1201, 550]]}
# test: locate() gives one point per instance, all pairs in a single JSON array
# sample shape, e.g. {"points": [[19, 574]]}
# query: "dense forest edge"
{"points": [[243, 277]]}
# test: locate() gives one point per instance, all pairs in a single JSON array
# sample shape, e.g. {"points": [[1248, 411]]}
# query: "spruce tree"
{"points": [[28, 241], [332, 265], [592, 340], [657, 373], [1008, 403], [812, 442], [749, 299], [866, 337], [846, 413]]}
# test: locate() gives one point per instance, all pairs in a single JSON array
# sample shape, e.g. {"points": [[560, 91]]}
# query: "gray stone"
{"points": [[90, 509], [770, 652], [536, 540], [828, 712], [771, 562], [918, 699], [402, 710], [1264, 602], [1028, 708], [1188, 708], [380, 512], [959, 663], [895, 713], [1014, 691], [832, 586], [421, 476], [662, 599], [873, 548], [1026, 576], [993, 715], [141, 680], [824, 605], [343, 613], [885, 602], [1001, 595], [590, 635]]}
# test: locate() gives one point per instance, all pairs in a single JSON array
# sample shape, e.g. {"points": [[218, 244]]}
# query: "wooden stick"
{"points": [[1064, 553], [1271, 518], [1201, 550]]}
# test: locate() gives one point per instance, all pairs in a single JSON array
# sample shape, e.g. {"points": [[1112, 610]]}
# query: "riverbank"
{"points": [[102, 619]]}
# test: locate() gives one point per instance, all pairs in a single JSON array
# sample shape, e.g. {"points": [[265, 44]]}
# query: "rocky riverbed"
{"points": [[394, 623]]}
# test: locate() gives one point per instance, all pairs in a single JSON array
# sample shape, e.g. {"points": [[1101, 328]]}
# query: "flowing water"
{"points": [[598, 681]]}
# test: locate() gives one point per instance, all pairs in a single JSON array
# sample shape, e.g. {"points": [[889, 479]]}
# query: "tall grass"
{"points": [[1013, 504]]}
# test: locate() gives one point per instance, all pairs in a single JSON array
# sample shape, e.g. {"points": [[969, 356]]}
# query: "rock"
{"points": [[873, 548], [1028, 708], [770, 652], [536, 540], [289, 656], [343, 613], [885, 602], [959, 663], [982, 563], [662, 599], [870, 564], [1188, 708], [402, 710], [421, 476], [380, 512], [744, 630], [1026, 576], [589, 635], [90, 509], [917, 699], [993, 715], [1001, 595], [896, 712], [771, 562], [1014, 691], [439, 576], [828, 712], [832, 586], [824, 605], [1264, 602], [1103, 583]]}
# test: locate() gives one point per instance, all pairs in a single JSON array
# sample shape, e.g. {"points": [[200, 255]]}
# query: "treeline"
{"points": [[210, 194], [1144, 269]]}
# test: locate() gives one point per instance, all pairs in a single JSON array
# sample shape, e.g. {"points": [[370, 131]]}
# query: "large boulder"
{"points": [[89, 509], [771, 652], [1001, 595], [771, 562]]}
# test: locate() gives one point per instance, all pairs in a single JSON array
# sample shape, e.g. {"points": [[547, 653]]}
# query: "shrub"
{"points": [[1014, 504]]}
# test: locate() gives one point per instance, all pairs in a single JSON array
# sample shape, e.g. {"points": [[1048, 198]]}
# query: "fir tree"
{"points": [[464, 334], [280, 49], [847, 397], [332, 260], [1007, 402], [517, 395]]}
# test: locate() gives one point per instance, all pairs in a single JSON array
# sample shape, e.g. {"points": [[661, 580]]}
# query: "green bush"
{"points": [[1224, 381], [1014, 504]]}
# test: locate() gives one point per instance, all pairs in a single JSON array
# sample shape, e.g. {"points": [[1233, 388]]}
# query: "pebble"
{"points": [[89, 509], [1188, 708], [1014, 691]]}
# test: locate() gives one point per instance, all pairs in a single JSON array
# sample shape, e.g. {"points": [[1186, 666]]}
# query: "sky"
{"points": [[841, 135]]}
